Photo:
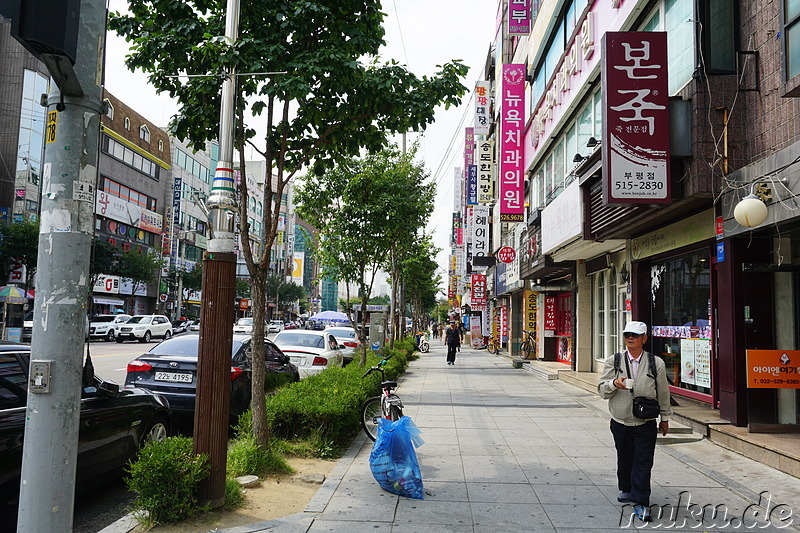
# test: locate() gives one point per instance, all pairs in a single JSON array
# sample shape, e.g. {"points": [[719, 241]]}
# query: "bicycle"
{"points": [[493, 345], [422, 343], [527, 349], [388, 405]]}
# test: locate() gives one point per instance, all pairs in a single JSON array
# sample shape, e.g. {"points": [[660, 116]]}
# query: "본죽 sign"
{"points": [[635, 118]]}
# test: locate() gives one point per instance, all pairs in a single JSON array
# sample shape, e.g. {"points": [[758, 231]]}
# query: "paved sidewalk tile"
{"points": [[508, 451]]}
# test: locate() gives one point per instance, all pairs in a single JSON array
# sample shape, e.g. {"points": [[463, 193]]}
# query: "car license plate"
{"points": [[297, 361], [175, 378]]}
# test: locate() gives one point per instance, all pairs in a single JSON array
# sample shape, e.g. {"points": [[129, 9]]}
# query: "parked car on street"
{"points": [[243, 326], [180, 326], [170, 369], [275, 326], [194, 325], [346, 337], [106, 326], [145, 327], [310, 351], [114, 424]]}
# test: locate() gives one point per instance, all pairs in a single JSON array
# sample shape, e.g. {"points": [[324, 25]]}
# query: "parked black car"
{"points": [[170, 369], [114, 424]]}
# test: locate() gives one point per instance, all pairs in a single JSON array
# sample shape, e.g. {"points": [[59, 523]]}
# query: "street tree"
{"points": [[19, 245], [418, 272], [367, 210], [335, 99]]}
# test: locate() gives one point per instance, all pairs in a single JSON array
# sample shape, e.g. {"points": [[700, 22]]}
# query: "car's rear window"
{"points": [[245, 322], [292, 338], [184, 345], [342, 332]]}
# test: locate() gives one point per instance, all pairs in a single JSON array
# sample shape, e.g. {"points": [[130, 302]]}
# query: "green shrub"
{"points": [[234, 495], [165, 477], [246, 458]]}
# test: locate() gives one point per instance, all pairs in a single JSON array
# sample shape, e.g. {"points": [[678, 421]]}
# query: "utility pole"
{"points": [[62, 292], [219, 292]]}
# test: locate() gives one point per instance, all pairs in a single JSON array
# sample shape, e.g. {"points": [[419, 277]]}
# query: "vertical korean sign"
{"points": [[480, 235], [635, 118], [519, 17], [478, 288], [511, 157], [482, 107], [485, 156]]}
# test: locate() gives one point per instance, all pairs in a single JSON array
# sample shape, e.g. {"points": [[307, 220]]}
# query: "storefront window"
{"points": [[680, 293]]}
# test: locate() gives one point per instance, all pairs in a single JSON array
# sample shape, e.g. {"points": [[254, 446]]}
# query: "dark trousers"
{"points": [[636, 446], [451, 353]]}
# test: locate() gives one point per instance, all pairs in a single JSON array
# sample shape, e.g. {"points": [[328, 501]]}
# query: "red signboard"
{"points": [[549, 316], [478, 288], [506, 254], [635, 118], [504, 323]]}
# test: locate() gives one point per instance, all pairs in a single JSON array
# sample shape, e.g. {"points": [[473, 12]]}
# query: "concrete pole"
{"points": [[62, 292], [219, 292]]}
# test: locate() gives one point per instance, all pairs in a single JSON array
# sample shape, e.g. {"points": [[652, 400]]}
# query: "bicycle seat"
{"points": [[389, 384]]}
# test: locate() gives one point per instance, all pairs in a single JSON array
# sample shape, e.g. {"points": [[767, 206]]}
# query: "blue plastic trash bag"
{"points": [[393, 460]]}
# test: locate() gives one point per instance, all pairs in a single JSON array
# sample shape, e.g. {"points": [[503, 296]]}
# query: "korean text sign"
{"points": [[519, 17], [512, 207], [773, 369], [635, 118], [478, 288], [482, 118], [485, 157]]}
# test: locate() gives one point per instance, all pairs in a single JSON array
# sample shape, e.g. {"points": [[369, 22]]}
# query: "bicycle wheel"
{"points": [[370, 413], [492, 347], [526, 350]]}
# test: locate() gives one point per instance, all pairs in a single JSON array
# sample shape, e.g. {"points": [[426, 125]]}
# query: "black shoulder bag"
{"points": [[643, 407]]}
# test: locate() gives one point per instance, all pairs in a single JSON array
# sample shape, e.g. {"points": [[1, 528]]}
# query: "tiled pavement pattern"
{"points": [[506, 451]]}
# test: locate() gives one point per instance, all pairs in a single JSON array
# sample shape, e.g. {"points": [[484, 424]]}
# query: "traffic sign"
{"points": [[162, 297], [506, 254]]}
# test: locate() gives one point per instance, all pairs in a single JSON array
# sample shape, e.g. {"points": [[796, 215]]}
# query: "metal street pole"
{"points": [[219, 292], [62, 291]]}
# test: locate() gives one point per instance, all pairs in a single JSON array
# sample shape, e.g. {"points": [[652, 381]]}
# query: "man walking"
{"points": [[453, 340], [628, 374]]}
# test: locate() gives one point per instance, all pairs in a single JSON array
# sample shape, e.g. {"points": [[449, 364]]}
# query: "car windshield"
{"points": [[105, 318], [139, 320], [342, 332], [245, 322], [184, 345], [292, 338]]}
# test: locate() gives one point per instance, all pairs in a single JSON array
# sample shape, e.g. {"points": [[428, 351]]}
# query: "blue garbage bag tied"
{"points": [[393, 459]]}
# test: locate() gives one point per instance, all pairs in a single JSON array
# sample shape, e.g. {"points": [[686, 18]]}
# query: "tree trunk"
{"points": [[258, 400]]}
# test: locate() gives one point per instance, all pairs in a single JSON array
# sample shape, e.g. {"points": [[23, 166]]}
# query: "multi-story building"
{"points": [[630, 192], [133, 183], [22, 122]]}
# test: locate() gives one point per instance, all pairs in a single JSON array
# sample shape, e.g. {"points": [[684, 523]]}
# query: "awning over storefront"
{"points": [[108, 301]]}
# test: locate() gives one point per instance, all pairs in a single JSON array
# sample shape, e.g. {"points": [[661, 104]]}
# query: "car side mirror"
{"points": [[108, 388]]}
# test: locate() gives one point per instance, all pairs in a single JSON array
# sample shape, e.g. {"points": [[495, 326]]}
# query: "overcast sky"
{"points": [[433, 32]]}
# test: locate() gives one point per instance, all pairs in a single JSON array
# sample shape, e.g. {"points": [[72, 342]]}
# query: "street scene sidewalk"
{"points": [[508, 451]]}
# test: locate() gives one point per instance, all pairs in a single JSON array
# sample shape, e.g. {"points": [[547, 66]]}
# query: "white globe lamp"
{"points": [[750, 212]]}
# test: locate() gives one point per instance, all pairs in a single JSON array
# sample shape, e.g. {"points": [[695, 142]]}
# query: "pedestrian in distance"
{"points": [[635, 373], [452, 337]]}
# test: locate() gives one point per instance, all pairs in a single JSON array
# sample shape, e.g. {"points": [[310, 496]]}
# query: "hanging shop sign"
{"points": [[635, 118], [482, 107], [458, 188], [512, 118], [506, 254], [472, 185], [531, 308], [485, 158], [480, 232], [773, 369], [479, 288], [690, 230], [562, 220], [469, 147], [550, 316], [519, 17]]}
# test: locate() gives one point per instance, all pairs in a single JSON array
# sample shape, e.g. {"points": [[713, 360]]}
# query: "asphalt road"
{"points": [[111, 359]]}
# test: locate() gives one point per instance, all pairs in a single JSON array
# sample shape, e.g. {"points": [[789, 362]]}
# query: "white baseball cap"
{"points": [[635, 327]]}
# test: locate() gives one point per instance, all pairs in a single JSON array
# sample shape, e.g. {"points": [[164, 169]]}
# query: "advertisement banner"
{"points": [[476, 332], [458, 190], [485, 162], [298, 261], [469, 147], [773, 369], [482, 119], [635, 117], [480, 232], [472, 185], [478, 288], [550, 316], [107, 284], [503, 323], [176, 200], [529, 317], [512, 119], [519, 17]]}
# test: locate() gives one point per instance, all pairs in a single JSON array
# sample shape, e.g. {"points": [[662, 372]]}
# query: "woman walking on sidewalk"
{"points": [[453, 340]]}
